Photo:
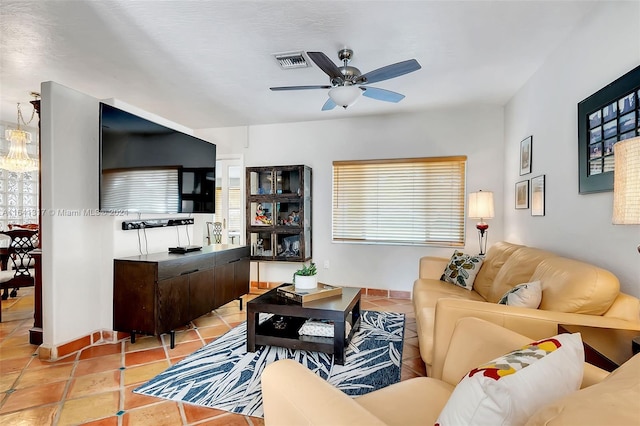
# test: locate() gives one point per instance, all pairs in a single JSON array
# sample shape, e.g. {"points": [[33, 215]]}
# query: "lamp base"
{"points": [[483, 232]]}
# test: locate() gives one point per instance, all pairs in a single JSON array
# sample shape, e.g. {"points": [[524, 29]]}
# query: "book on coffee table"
{"points": [[307, 295]]}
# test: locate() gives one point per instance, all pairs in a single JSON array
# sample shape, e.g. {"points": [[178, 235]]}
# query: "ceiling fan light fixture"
{"points": [[345, 96]]}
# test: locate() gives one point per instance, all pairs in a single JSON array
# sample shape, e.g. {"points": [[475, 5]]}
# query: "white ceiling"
{"points": [[209, 64]]}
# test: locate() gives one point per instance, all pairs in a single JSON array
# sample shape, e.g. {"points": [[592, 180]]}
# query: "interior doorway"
{"points": [[230, 199]]}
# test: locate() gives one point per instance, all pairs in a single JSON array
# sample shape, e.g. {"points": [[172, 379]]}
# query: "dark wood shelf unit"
{"points": [[278, 213], [159, 292]]}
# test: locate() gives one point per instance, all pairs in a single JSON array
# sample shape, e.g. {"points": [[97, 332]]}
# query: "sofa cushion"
{"points": [[493, 261], [462, 269], [517, 269], [526, 295], [572, 286], [510, 389], [613, 401]]}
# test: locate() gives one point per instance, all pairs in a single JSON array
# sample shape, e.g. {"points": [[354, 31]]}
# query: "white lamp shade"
{"points": [[481, 205], [345, 96], [626, 182]]}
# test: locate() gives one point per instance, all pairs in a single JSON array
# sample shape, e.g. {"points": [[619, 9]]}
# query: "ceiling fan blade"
{"points": [[382, 94], [328, 105], [325, 64], [390, 71], [299, 87]]}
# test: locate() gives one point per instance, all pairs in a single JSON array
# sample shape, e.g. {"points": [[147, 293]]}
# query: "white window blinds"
{"points": [[401, 201]]}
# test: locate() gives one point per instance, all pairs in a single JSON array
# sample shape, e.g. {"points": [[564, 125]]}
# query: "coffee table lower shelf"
{"points": [[288, 337]]}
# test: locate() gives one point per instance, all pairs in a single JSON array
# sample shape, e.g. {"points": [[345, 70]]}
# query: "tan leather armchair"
{"points": [[293, 395]]}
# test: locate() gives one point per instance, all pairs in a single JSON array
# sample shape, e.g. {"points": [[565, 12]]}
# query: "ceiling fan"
{"points": [[348, 83]]}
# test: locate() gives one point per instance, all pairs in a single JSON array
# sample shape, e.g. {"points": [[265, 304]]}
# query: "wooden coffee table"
{"points": [[282, 328]]}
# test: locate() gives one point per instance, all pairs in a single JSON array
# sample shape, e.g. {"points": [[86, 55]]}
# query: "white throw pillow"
{"points": [[527, 295], [510, 389], [462, 269]]}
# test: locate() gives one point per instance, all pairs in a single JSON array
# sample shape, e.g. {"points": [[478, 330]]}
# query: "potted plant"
{"points": [[306, 277]]}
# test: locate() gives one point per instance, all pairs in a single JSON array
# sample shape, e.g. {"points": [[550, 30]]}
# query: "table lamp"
{"points": [[626, 191], [481, 207]]}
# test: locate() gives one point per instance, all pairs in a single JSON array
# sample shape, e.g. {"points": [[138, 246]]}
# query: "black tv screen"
{"points": [[148, 168]]}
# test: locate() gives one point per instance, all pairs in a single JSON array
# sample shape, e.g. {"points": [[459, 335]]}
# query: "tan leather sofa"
{"points": [[293, 395], [573, 292]]}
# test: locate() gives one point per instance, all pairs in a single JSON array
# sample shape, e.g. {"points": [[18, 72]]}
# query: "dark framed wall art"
{"points": [[525, 155], [608, 116]]}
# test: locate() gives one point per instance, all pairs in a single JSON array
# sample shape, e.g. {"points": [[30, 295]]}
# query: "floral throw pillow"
{"points": [[462, 270]]}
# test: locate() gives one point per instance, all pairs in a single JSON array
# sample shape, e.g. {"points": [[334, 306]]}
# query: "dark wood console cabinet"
{"points": [[157, 293]]}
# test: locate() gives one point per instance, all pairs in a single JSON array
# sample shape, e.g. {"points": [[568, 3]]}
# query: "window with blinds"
{"points": [[401, 201], [150, 190]]}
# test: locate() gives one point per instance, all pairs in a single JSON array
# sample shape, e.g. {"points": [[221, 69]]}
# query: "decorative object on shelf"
{"points": [[525, 155], [604, 118], [537, 196], [321, 328], [306, 277], [522, 194], [296, 294], [481, 207], [626, 189], [17, 159]]}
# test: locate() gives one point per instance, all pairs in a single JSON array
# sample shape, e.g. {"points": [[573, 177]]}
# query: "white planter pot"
{"points": [[305, 283]]}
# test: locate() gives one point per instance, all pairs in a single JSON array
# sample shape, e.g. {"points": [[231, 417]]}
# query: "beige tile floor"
{"points": [[94, 387]]}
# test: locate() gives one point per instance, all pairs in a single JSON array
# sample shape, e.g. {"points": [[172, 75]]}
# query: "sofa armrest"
{"points": [[432, 267], [293, 395], [533, 323]]}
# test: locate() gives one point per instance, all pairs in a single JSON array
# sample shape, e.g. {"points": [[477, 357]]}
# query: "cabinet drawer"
{"points": [[232, 255], [184, 264]]}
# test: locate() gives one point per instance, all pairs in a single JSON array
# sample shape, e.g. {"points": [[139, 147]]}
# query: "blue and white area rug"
{"points": [[225, 376]]}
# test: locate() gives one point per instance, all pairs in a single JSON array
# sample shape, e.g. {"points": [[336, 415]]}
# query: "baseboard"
{"points": [[54, 353]]}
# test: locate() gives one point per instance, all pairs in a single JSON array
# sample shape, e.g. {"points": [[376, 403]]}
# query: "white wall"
{"points": [[78, 244], [605, 47], [473, 131], [71, 239]]}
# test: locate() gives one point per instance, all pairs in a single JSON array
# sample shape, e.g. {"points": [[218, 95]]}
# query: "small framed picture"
{"points": [[522, 195], [537, 196], [525, 156]]}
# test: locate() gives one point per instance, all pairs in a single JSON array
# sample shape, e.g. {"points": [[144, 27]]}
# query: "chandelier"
{"points": [[17, 159]]}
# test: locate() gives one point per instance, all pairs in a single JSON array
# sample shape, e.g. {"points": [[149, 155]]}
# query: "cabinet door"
{"points": [[173, 303], [224, 278], [241, 277], [201, 293], [134, 298]]}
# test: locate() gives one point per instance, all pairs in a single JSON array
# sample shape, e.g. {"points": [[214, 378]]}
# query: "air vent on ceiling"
{"points": [[291, 60]]}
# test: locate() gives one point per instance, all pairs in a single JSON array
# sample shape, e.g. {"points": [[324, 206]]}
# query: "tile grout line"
{"points": [[123, 387], [65, 392]]}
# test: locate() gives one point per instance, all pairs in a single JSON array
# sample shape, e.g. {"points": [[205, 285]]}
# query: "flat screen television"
{"points": [[148, 168]]}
